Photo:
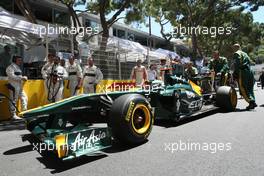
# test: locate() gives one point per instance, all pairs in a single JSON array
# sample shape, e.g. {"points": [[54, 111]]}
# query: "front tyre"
{"points": [[226, 98], [131, 118]]}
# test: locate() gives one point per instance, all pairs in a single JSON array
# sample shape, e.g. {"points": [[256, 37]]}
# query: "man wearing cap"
{"points": [[191, 71], [75, 76], [244, 76], [219, 66], [139, 73], [15, 86], [92, 75]]}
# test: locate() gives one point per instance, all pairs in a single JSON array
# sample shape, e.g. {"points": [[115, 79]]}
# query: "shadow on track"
{"points": [[51, 162], [12, 125], [171, 123], [18, 150], [56, 165]]}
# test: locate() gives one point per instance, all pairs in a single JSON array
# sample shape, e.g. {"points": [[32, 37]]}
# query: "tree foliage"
{"points": [[207, 13], [115, 8]]}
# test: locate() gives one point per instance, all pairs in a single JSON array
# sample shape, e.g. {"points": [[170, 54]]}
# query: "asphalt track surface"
{"points": [[215, 143]]}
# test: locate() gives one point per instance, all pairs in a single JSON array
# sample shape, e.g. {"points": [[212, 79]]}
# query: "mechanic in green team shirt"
{"points": [[219, 66], [244, 75], [190, 71]]}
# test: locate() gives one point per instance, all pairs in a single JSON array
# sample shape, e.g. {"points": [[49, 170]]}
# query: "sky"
{"points": [[257, 15]]}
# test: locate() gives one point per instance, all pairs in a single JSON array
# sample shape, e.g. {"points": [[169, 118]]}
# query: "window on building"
{"points": [[61, 17], [42, 13], [141, 40], [115, 32], [131, 36], [90, 23], [93, 25], [121, 34]]}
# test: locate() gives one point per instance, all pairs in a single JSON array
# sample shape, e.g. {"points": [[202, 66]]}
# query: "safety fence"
{"points": [[116, 57], [37, 95]]}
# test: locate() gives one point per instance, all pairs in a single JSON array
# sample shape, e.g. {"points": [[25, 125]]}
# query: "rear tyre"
{"points": [[226, 98], [131, 119]]}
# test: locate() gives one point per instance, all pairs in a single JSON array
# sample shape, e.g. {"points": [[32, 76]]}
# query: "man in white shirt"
{"points": [[15, 86], [75, 76], [139, 73], [44, 70], [56, 75], [92, 75], [152, 74]]}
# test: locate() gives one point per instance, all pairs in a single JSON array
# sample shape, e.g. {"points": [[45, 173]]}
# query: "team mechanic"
{"points": [[44, 70], [244, 76], [219, 66], [15, 86], [191, 71], [92, 76], [75, 76]]}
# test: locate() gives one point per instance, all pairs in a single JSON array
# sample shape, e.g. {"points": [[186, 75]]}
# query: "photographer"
{"points": [[56, 75]]}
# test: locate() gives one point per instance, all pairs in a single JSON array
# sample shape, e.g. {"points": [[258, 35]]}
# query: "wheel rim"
{"points": [[233, 98], [141, 119]]}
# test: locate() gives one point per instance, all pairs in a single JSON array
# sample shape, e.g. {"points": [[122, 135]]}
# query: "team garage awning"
{"points": [[14, 29]]}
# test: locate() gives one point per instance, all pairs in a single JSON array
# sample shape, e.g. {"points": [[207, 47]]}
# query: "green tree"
{"points": [[191, 13], [208, 13], [115, 7], [245, 32], [26, 10]]}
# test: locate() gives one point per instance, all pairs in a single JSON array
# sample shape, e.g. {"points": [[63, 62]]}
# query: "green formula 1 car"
{"points": [[128, 115]]}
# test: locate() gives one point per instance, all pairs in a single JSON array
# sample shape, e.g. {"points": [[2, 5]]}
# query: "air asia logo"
{"points": [[83, 142]]}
